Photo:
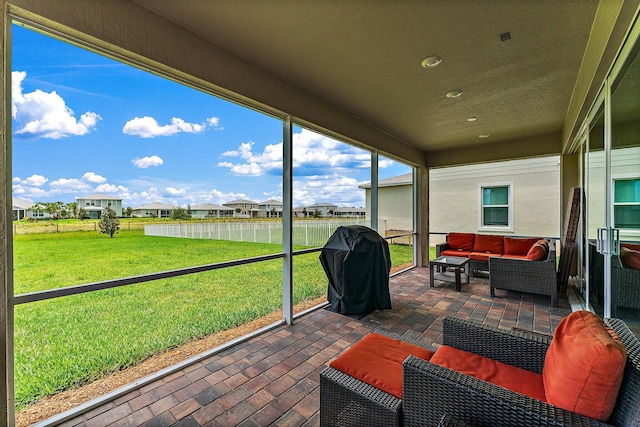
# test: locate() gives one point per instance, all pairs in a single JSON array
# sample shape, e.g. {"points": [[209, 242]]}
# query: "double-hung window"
{"points": [[496, 206], [626, 203]]}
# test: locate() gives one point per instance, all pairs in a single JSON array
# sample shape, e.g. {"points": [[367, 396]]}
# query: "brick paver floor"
{"points": [[273, 379]]}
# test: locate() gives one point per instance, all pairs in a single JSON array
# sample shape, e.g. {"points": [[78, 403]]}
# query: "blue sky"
{"points": [[85, 124]]}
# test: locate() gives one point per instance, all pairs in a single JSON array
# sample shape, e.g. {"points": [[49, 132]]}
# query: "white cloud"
{"points": [[71, 185], [93, 178], [111, 189], [148, 127], [255, 164], [341, 190], [214, 122], [385, 163], [36, 180], [45, 115], [251, 169], [175, 191], [313, 154], [145, 162]]}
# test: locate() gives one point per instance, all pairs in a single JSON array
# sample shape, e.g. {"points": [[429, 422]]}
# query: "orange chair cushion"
{"points": [[584, 366], [630, 258], [486, 369], [518, 246], [461, 241], [538, 251], [489, 244], [377, 360]]}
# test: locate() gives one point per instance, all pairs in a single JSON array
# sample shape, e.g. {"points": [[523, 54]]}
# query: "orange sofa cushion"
{"points": [[377, 361], [538, 251], [584, 366], [486, 369], [489, 244], [482, 256], [460, 253], [461, 241], [518, 246], [630, 258], [632, 246]]}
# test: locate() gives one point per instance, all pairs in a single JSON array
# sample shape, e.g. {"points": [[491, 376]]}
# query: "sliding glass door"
{"points": [[625, 188], [611, 179]]}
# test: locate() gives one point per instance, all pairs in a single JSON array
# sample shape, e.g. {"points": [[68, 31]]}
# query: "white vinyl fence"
{"points": [[307, 233]]}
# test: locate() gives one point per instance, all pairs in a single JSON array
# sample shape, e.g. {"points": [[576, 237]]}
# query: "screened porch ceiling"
{"points": [[364, 57]]}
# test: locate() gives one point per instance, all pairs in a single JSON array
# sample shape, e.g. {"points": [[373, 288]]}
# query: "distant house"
{"points": [[21, 209], [242, 208], [324, 209], [269, 209], [153, 210], [210, 210], [349, 212], [94, 204]]}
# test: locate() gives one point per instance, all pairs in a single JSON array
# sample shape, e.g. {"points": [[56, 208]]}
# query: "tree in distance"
{"points": [[109, 222]]}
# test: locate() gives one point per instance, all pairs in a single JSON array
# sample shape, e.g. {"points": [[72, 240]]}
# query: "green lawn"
{"points": [[66, 342]]}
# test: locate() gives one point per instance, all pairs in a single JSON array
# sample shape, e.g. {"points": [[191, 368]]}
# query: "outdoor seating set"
{"points": [[517, 264], [588, 374]]}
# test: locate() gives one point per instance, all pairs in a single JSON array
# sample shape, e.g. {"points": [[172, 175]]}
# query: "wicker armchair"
{"points": [[430, 391], [625, 286], [347, 401], [536, 277]]}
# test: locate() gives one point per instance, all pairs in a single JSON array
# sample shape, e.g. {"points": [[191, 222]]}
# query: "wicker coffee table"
{"points": [[450, 269]]}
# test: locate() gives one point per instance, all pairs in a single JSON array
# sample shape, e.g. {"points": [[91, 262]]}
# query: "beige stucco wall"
{"points": [[395, 207], [454, 201]]}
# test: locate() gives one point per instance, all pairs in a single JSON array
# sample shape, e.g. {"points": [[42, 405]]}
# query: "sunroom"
{"points": [[429, 85]]}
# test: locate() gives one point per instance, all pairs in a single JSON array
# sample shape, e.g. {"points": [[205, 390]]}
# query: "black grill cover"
{"points": [[357, 263]]}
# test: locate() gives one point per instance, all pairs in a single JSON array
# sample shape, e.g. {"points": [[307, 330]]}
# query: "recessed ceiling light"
{"points": [[472, 119], [454, 93], [431, 62], [486, 135]]}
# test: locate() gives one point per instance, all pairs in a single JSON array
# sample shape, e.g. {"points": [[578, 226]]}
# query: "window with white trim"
{"points": [[626, 203], [496, 207]]}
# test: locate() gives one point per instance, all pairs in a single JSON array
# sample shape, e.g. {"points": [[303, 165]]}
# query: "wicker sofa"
{"points": [[480, 248], [511, 262], [435, 396], [535, 277]]}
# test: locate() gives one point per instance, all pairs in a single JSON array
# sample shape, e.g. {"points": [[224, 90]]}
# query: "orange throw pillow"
{"points": [[377, 361], [584, 366], [538, 251], [630, 258]]}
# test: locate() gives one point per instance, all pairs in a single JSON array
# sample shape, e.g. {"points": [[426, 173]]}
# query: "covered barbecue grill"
{"points": [[357, 263]]}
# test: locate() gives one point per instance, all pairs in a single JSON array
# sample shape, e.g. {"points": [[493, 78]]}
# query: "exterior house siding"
{"points": [[454, 196]]}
